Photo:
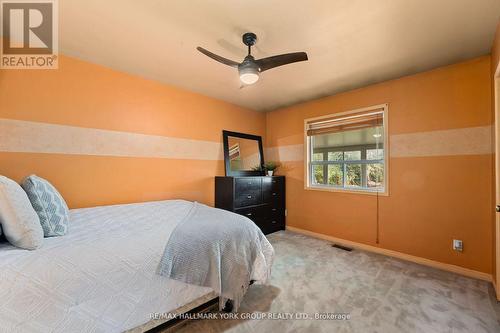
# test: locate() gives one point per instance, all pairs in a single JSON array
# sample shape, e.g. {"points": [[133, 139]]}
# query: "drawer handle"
{"points": [[249, 197], [274, 182], [273, 222], [274, 193], [274, 209], [249, 214]]}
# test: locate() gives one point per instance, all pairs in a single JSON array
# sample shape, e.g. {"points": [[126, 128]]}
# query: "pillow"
{"points": [[20, 223], [48, 204]]}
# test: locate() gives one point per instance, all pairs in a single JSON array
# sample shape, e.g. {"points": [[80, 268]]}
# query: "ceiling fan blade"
{"points": [[218, 58], [280, 60]]}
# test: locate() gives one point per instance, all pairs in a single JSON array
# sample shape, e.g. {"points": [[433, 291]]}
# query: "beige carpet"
{"points": [[380, 294]]}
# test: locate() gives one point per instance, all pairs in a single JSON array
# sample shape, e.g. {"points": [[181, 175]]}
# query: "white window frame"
{"points": [[308, 185]]}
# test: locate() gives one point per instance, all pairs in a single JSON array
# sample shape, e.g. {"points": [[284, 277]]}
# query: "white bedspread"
{"points": [[100, 277], [218, 249]]}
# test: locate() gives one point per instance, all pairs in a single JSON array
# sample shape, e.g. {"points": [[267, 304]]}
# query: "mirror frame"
{"points": [[227, 166]]}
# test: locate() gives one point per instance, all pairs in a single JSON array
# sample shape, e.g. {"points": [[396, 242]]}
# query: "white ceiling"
{"points": [[350, 43]]}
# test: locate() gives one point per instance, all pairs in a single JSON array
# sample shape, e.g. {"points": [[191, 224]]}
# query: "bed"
{"points": [[100, 277]]}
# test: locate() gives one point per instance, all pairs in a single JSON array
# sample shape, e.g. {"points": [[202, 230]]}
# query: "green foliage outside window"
{"points": [[375, 175], [353, 175], [332, 174], [335, 175], [318, 174], [317, 157], [335, 156], [352, 155]]}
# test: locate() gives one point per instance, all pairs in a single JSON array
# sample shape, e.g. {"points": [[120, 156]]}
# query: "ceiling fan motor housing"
{"points": [[249, 38], [249, 64]]}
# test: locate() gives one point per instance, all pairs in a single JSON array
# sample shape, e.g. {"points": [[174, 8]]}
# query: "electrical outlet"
{"points": [[458, 245], [286, 212]]}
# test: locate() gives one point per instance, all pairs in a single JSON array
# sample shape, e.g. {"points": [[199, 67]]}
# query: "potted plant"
{"points": [[258, 168], [270, 167]]}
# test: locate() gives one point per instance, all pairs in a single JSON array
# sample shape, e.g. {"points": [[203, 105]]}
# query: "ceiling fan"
{"points": [[250, 68]]}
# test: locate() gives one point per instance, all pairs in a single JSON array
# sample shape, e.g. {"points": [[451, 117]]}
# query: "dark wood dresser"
{"points": [[260, 198]]}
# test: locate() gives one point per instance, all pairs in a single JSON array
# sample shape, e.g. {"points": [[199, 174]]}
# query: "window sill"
{"points": [[385, 193]]}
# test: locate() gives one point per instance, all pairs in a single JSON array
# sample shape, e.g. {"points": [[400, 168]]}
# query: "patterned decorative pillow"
{"points": [[48, 204], [20, 223]]}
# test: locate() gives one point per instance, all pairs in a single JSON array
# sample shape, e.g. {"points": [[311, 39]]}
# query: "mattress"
{"points": [[100, 277]]}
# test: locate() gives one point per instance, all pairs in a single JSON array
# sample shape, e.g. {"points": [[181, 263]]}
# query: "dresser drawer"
{"points": [[253, 213], [271, 219], [267, 218], [275, 184], [274, 198], [246, 184], [273, 191], [248, 198], [261, 212], [270, 211], [259, 198], [247, 191], [269, 225]]}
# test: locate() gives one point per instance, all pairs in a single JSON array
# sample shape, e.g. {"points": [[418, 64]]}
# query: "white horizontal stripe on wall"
{"points": [[35, 137], [453, 142], [460, 141], [285, 153]]}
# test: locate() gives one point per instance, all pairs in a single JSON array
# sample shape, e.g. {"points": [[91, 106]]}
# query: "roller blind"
{"points": [[371, 118]]}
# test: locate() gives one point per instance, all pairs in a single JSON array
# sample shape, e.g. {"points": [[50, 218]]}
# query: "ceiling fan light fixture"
{"points": [[250, 68], [249, 75]]}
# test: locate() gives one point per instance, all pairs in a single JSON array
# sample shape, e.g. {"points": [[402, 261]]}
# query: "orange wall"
{"points": [[90, 96], [433, 199], [495, 60]]}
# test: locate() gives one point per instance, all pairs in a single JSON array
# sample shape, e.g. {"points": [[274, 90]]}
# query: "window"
{"points": [[347, 152]]}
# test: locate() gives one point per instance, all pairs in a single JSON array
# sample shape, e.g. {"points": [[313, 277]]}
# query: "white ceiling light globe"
{"points": [[249, 77]]}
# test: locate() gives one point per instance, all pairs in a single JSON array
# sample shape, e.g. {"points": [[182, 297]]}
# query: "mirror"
{"points": [[243, 154]]}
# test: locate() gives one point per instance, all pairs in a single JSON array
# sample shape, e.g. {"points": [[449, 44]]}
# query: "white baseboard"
{"points": [[419, 260]]}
